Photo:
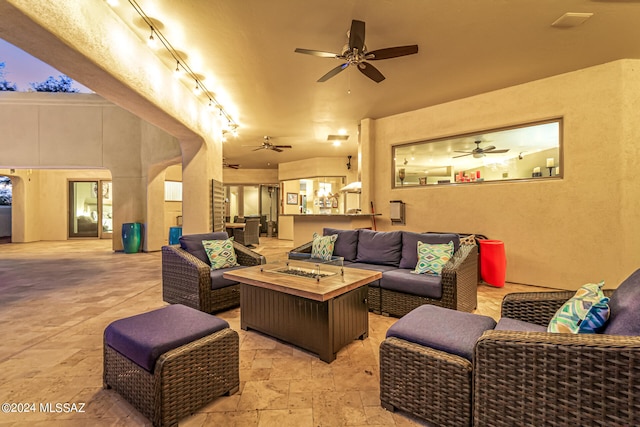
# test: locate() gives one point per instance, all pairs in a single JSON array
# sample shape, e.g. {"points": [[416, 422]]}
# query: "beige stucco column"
{"points": [[366, 164]]}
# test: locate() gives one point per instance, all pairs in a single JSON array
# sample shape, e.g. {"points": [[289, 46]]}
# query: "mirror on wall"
{"points": [[529, 151]]}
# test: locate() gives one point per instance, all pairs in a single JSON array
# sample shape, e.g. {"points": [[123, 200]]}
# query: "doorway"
{"points": [[90, 209], [5, 209]]}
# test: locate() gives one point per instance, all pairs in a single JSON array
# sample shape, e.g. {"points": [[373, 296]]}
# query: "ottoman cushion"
{"points": [[144, 337], [443, 329]]}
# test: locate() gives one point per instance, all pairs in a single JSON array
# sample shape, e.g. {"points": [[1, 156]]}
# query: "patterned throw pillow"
{"points": [[586, 312], [221, 253], [433, 257], [322, 246]]}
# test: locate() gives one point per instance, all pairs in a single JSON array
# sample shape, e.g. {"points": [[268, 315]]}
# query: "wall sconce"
{"points": [[397, 212], [401, 175]]}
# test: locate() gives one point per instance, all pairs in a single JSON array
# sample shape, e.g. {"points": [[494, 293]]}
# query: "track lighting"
{"points": [[151, 41], [181, 65]]}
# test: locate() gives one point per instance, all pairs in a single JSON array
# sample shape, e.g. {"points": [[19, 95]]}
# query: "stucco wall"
{"points": [[557, 233], [43, 131]]}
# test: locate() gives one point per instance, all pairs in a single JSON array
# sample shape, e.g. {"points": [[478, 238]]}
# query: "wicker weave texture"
{"points": [[427, 383], [184, 379], [186, 279], [374, 298], [556, 380], [459, 287], [536, 307]]}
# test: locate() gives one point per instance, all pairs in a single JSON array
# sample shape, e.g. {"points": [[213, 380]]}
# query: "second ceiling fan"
{"points": [[268, 145], [355, 53]]}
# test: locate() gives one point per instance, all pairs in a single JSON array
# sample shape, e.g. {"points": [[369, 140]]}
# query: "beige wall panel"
{"points": [[557, 233], [18, 134], [250, 176], [122, 140], [61, 128]]}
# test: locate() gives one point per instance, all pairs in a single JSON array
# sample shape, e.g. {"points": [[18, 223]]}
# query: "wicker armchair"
{"points": [[186, 279], [250, 234], [538, 378]]}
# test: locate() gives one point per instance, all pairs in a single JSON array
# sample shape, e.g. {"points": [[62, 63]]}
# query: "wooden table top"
{"points": [[234, 224], [267, 276]]}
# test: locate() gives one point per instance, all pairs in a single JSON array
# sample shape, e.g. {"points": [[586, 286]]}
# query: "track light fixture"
{"points": [[181, 64], [151, 42]]}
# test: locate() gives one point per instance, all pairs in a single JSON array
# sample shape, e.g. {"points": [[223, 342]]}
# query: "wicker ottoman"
{"points": [[170, 362], [425, 364]]}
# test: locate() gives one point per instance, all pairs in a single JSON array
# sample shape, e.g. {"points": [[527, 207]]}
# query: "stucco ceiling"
{"points": [[244, 51]]}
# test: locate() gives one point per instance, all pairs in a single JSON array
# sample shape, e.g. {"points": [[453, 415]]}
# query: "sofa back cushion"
{"points": [[192, 243], [346, 245], [410, 241], [624, 305], [379, 247]]}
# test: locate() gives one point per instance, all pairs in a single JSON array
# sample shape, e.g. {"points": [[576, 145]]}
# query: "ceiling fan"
{"points": [[480, 152], [355, 53], [267, 145], [229, 165]]}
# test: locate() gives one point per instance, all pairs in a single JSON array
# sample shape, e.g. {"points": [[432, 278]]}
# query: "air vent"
{"points": [[571, 19], [337, 137]]}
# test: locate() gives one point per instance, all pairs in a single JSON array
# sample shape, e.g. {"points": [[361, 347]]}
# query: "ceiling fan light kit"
{"points": [[356, 53]]}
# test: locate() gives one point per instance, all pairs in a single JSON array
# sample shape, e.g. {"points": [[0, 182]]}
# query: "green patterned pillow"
{"points": [[584, 313], [322, 246], [221, 253], [433, 257]]}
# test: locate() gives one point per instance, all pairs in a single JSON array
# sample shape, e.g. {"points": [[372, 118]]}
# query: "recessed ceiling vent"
{"points": [[337, 137], [571, 19]]}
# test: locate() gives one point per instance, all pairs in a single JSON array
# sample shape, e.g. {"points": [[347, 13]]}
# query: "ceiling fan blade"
{"points": [[371, 72], [462, 155], [498, 151], [274, 148], [333, 72], [283, 146], [487, 148], [458, 151], [356, 35], [259, 148], [317, 53], [392, 52]]}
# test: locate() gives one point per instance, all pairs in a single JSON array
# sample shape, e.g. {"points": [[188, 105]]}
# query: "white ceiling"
{"points": [[244, 51]]}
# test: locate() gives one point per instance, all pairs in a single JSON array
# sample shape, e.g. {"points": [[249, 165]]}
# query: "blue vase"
{"points": [[174, 235], [131, 237]]}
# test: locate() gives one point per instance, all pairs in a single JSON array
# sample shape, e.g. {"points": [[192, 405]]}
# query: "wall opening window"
{"points": [[528, 151]]}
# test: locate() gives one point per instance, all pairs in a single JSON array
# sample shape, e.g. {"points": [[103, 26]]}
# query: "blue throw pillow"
{"points": [[584, 313]]}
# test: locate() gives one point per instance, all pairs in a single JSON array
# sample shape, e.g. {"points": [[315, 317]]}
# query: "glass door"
{"points": [[90, 209]]}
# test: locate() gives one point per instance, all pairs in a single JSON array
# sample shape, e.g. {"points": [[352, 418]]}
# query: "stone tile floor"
{"points": [[56, 298]]}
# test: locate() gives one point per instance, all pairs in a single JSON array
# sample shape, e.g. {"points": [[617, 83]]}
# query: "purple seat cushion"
{"points": [[144, 337], [624, 305], [218, 281], [192, 243], [507, 324], [403, 280], [370, 267], [346, 244], [410, 245], [379, 247], [439, 328]]}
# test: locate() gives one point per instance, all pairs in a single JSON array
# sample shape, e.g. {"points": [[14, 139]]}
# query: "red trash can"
{"points": [[493, 262]]}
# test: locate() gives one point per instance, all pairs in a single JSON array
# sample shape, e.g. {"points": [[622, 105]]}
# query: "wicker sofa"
{"points": [[519, 374], [394, 253], [187, 277]]}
